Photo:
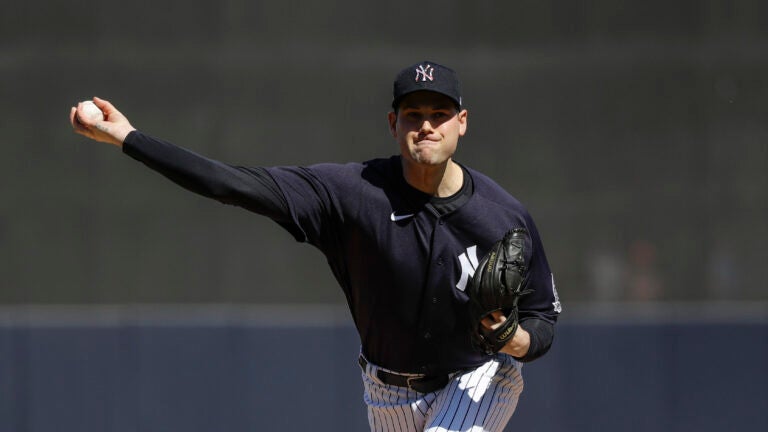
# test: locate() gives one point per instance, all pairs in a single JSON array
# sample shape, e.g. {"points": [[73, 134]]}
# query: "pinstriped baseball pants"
{"points": [[477, 400]]}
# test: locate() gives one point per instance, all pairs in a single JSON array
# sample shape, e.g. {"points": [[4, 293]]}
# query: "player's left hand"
{"points": [[520, 342]]}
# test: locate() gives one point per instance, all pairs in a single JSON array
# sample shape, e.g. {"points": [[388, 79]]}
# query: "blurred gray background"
{"points": [[634, 131]]}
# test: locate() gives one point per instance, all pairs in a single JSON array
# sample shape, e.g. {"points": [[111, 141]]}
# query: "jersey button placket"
{"points": [[431, 300]]}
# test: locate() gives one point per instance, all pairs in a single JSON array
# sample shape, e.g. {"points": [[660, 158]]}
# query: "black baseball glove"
{"points": [[497, 286]]}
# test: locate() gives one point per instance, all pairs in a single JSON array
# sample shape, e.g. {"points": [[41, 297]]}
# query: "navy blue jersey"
{"points": [[403, 264]]}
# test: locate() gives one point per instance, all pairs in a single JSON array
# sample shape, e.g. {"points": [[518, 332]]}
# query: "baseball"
{"points": [[91, 111]]}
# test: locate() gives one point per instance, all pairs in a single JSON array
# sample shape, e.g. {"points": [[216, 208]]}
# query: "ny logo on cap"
{"points": [[425, 72]]}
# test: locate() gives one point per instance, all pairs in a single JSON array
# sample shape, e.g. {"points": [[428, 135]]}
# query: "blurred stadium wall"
{"points": [[676, 368]]}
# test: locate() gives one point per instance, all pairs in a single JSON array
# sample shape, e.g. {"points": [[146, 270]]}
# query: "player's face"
{"points": [[427, 127]]}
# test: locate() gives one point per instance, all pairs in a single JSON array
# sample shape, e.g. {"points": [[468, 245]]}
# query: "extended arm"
{"points": [[251, 188]]}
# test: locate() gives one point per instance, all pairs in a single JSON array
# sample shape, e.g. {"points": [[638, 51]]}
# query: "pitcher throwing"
{"points": [[403, 236]]}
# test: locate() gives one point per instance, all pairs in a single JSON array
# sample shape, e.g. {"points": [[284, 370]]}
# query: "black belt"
{"points": [[420, 383]]}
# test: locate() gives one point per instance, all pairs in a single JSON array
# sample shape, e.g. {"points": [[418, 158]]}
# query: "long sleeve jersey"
{"points": [[402, 257]]}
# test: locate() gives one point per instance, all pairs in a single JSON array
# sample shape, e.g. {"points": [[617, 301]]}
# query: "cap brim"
{"points": [[396, 102]]}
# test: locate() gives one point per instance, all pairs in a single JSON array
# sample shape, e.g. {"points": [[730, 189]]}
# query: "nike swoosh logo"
{"points": [[394, 217]]}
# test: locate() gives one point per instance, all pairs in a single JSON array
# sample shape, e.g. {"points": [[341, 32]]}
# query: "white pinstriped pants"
{"points": [[477, 400]]}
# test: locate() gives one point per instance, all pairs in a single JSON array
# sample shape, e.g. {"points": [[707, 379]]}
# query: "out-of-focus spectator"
{"points": [[643, 279]]}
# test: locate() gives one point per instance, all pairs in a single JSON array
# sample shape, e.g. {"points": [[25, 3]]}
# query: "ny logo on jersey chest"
{"points": [[468, 261]]}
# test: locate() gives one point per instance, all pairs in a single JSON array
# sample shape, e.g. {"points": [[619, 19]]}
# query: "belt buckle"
{"points": [[409, 379]]}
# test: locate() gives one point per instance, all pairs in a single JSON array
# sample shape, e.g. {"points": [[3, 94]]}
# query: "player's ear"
{"points": [[392, 119], [462, 116]]}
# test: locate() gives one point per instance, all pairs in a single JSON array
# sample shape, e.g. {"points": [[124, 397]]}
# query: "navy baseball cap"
{"points": [[429, 76]]}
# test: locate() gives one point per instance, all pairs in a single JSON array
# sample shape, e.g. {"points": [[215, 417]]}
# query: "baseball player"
{"points": [[403, 236]]}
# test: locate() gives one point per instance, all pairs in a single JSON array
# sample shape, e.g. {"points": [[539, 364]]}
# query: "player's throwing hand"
{"points": [[112, 129]]}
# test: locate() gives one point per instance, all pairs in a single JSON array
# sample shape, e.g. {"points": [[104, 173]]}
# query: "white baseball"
{"points": [[91, 111]]}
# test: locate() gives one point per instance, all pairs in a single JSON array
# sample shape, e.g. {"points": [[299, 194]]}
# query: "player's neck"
{"points": [[437, 180]]}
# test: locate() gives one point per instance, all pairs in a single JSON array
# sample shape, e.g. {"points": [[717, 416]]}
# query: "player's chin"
{"points": [[428, 156], [427, 161]]}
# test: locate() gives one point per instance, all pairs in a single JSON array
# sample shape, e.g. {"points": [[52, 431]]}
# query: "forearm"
{"points": [[540, 335], [250, 188], [520, 344], [532, 340]]}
